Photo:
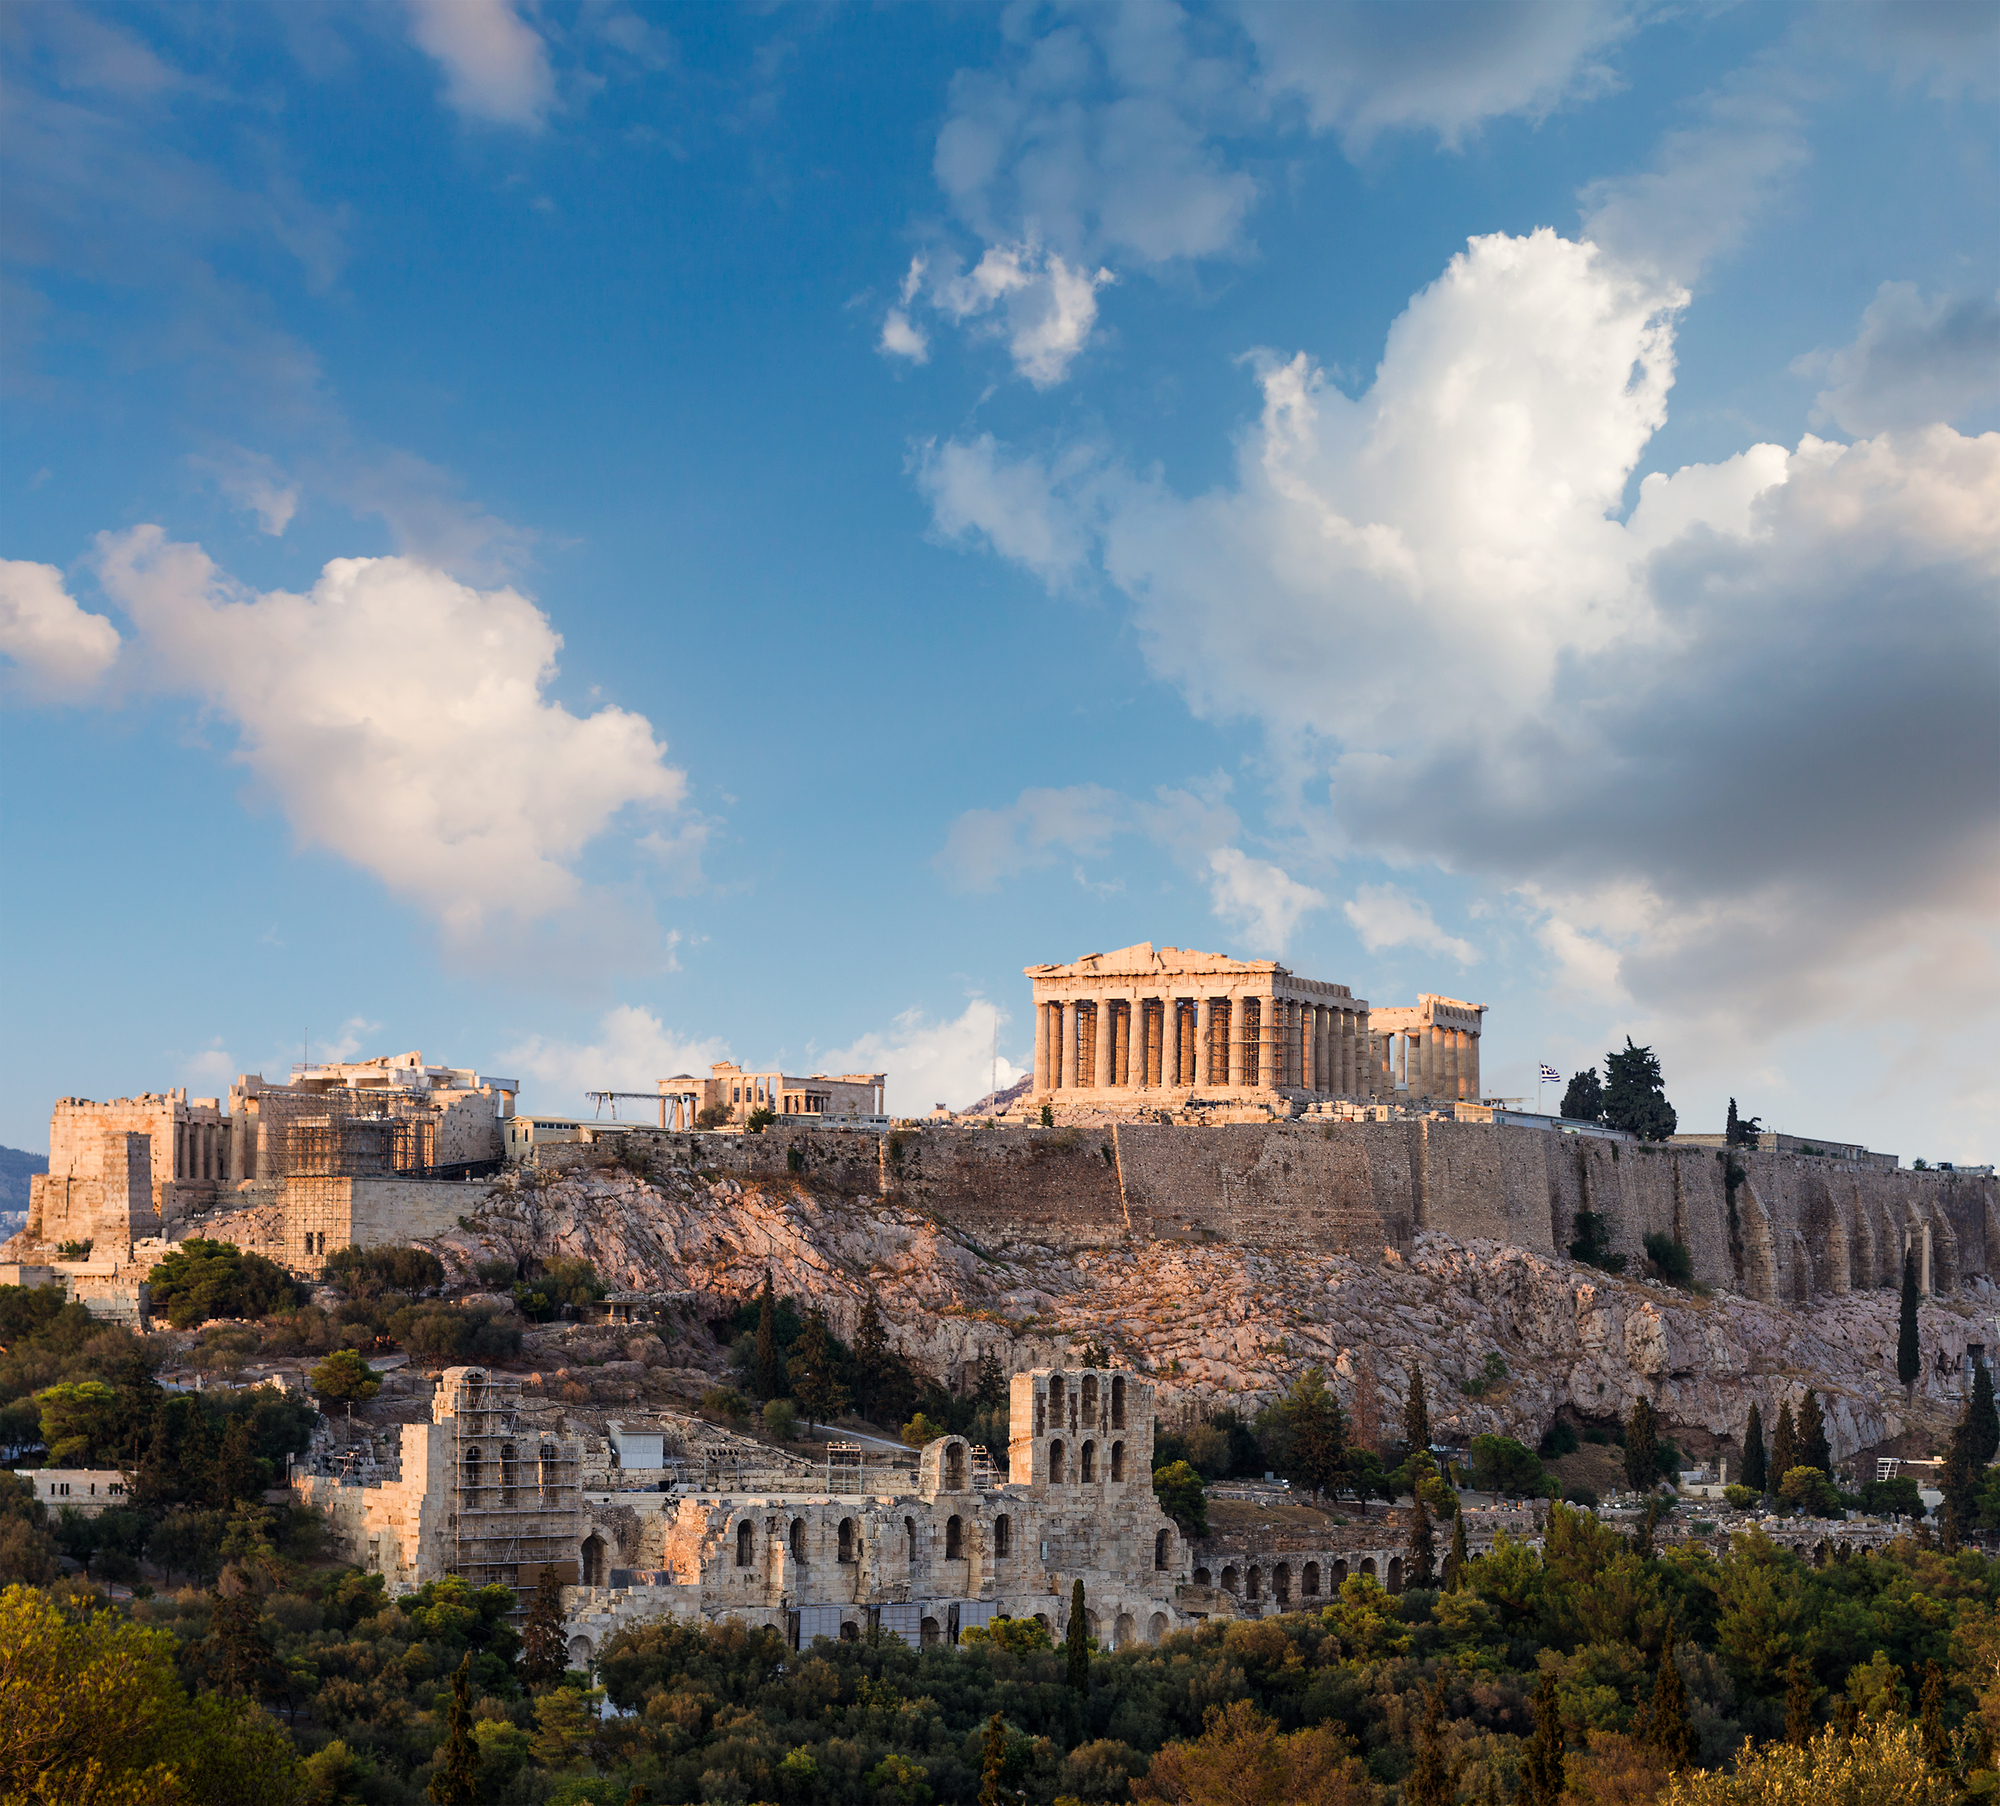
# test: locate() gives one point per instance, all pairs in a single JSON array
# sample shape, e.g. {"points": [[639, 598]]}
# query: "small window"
{"points": [[745, 1543], [1090, 1398], [847, 1552], [1056, 1462], [1163, 1548], [1086, 1465], [1118, 1401], [798, 1539], [1117, 1462], [954, 1539], [1056, 1397], [954, 1467], [910, 1537], [1003, 1535]]}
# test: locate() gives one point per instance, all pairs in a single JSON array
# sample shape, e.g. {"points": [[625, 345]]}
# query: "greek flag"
{"points": [[1549, 1074]]}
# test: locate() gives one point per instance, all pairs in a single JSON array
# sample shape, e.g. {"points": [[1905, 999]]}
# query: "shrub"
{"points": [[344, 1374], [498, 1272], [725, 1401], [1499, 1464], [1182, 1497], [455, 1334], [1885, 1498], [370, 1272], [1585, 1496], [200, 1279], [1670, 1260], [1560, 1440], [1740, 1498], [781, 1419], [920, 1430], [558, 1284], [1592, 1245]]}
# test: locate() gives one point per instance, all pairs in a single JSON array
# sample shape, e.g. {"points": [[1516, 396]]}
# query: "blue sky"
{"points": [[584, 538]]}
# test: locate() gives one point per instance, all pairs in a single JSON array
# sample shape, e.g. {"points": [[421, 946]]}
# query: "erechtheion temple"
{"points": [[1136, 1026]]}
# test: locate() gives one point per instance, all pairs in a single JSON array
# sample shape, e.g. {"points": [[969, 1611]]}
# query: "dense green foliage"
{"points": [[1635, 1098], [1583, 1097], [199, 1279]]}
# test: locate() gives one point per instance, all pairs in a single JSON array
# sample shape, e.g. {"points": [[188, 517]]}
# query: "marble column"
{"points": [[1233, 1056], [1170, 1043], [1107, 1038], [1451, 1086], [1070, 1027], [1041, 1047], [1156, 1042], [1270, 1043], [1204, 1027], [1472, 1080]]}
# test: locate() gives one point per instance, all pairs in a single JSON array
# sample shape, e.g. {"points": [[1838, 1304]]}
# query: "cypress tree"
{"points": [[1930, 1716], [1542, 1761], [993, 1765], [1642, 1447], [1416, 1415], [871, 1358], [990, 1391], [770, 1376], [1077, 1644], [1959, 1483], [1756, 1466], [456, 1780], [1985, 1419], [1909, 1358], [1422, 1561], [1433, 1776], [1798, 1704], [543, 1653], [1784, 1449], [1814, 1450], [1667, 1726], [1454, 1563]]}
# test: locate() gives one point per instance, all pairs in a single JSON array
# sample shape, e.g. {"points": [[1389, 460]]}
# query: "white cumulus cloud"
{"points": [[58, 649], [398, 717], [633, 1049], [495, 64], [1260, 900], [1913, 362], [1384, 916], [931, 1061]]}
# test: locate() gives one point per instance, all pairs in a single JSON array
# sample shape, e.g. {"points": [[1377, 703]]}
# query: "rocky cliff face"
{"points": [[1228, 1323]]}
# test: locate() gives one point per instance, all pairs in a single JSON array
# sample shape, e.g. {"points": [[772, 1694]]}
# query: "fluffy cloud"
{"points": [[1384, 916], [1042, 306], [1364, 69], [987, 845], [398, 718], [1738, 747], [929, 1061], [1025, 508], [632, 1050], [1913, 362], [495, 64], [58, 649], [1258, 899]]}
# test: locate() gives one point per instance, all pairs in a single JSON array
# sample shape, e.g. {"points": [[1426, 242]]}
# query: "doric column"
{"points": [[1451, 1088], [1204, 1027], [1170, 1043], [1269, 1043], [1106, 1039], [1472, 1083], [1426, 1051], [1233, 1061], [1067, 1068], [1041, 1047]]}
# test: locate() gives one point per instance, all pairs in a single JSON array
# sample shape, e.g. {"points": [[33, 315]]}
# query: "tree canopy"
{"points": [[1635, 1097], [199, 1279]]}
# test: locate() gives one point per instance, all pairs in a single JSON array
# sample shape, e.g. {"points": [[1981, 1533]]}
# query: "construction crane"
{"points": [[684, 1103]]}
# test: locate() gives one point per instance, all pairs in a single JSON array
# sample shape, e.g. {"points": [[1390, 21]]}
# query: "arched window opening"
{"points": [[929, 1634], [850, 1632], [1163, 1548], [1086, 1465], [594, 1555], [1156, 1628], [1003, 1535], [1202, 1577], [1089, 1407], [1056, 1462], [798, 1539], [846, 1539], [954, 1467], [1309, 1580], [1281, 1583], [510, 1473], [745, 1543], [550, 1472], [1395, 1573], [472, 1476], [1340, 1573], [1118, 1401], [954, 1539], [1254, 1586], [1055, 1398], [1117, 1463], [1231, 1581], [1124, 1631], [1368, 1567]]}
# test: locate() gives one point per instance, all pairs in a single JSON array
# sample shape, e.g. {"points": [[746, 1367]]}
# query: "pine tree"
{"points": [[814, 1370], [769, 1376], [1422, 1561], [1642, 1447], [543, 1652], [456, 1779], [1454, 1562], [1814, 1450], [1542, 1760], [1756, 1465], [1416, 1415], [1985, 1419], [1798, 1704], [1583, 1098], [1742, 1131], [1784, 1449], [1635, 1100], [1909, 1357], [1433, 1776], [990, 1391], [871, 1358], [1077, 1644], [1667, 1726], [1930, 1716], [1959, 1482]]}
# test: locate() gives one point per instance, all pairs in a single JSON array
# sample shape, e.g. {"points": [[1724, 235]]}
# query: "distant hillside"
{"points": [[16, 1169]]}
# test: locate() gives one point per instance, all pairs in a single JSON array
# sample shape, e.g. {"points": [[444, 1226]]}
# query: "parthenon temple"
{"points": [[1144, 1022]]}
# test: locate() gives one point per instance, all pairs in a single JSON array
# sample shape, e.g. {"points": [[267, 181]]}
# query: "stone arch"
{"points": [[1118, 1401], [472, 1476], [1117, 1464], [1253, 1583], [846, 1540], [1368, 1567], [580, 1652], [1339, 1574], [1309, 1580], [510, 1473], [850, 1632], [1125, 1632], [1202, 1578], [1055, 1461], [798, 1539], [1056, 1400], [1087, 1403], [1042, 1618], [746, 1543], [1086, 1465], [1163, 1548], [1156, 1628], [910, 1540], [548, 1472], [1092, 1629], [1231, 1581], [1395, 1573], [595, 1560], [929, 1634], [954, 1538], [1281, 1583], [1003, 1536], [954, 1467]]}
